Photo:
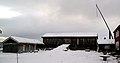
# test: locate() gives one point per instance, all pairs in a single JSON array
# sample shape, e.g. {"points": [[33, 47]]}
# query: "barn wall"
{"points": [[24, 47], [76, 42], [84, 43], [10, 46], [53, 42]]}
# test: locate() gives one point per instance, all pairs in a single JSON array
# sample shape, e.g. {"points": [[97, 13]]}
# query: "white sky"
{"points": [[33, 18], [6, 12]]}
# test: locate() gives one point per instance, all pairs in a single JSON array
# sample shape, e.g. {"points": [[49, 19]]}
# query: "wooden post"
{"points": [[35, 47], [77, 41], [17, 52]]}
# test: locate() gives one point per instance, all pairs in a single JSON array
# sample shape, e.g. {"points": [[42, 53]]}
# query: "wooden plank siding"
{"points": [[84, 43], [75, 42], [12, 46]]}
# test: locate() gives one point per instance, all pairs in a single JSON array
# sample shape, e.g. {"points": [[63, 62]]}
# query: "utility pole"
{"points": [[110, 34], [17, 56]]}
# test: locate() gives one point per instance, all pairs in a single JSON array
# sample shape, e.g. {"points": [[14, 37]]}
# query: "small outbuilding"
{"points": [[106, 45], [17, 44]]}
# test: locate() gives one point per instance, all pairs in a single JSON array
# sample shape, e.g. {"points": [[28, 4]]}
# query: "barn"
{"points": [[77, 41], [117, 38], [106, 45], [17, 44]]}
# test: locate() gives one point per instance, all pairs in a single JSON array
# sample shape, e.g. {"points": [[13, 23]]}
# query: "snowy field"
{"points": [[55, 56]]}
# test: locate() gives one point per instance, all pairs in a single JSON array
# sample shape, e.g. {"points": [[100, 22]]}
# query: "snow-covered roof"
{"points": [[70, 35], [106, 41], [25, 40], [2, 39]]}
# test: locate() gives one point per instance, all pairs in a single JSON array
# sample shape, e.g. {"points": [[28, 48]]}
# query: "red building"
{"points": [[117, 38]]}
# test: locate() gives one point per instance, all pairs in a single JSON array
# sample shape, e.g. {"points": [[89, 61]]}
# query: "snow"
{"points": [[106, 41], [70, 35], [56, 56], [25, 40], [61, 47], [2, 39]]}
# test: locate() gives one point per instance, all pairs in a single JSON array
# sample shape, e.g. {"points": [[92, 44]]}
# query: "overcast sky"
{"points": [[33, 18]]}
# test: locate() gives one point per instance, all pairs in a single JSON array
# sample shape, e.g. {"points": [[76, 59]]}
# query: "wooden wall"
{"points": [[75, 42], [10, 46], [14, 47]]}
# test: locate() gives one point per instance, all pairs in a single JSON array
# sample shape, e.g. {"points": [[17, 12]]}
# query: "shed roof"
{"points": [[106, 41], [25, 40], [70, 35]]}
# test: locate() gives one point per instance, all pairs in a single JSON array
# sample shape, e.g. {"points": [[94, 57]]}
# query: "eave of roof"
{"points": [[70, 35], [25, 40]]}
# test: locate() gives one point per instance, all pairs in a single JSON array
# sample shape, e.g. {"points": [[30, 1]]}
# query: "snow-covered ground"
{"points": [[55, 56]]}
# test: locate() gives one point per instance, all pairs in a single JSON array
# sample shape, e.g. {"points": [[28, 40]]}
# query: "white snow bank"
{"points": [[61, 47]]}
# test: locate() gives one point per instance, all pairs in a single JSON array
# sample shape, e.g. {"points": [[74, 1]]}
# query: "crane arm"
{"points": [[110, 34]]}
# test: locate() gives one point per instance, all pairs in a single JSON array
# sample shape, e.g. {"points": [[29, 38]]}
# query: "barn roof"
{"points": [[25, 40], [106, 41], [2, 39], [70, 35], [116, 29]]}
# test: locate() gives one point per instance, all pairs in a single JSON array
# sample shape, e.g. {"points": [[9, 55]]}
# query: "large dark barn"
{"points": [[76, 40], [17, 44]]}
